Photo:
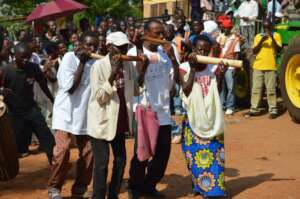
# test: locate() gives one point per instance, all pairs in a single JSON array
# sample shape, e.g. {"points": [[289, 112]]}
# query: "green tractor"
{"points": [[288, 63], [288, 70], [289, 67]]}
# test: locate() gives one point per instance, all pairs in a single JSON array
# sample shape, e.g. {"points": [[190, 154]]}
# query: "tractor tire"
{"points": [[242, 88], [289, 80], [294, 42]]}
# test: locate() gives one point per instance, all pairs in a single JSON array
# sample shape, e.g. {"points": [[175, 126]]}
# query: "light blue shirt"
{"points": [[277, 7]]}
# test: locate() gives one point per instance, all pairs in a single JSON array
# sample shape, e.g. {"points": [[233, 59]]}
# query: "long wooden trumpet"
{"points": [[123, 57], [212, 60], [155, 41]]}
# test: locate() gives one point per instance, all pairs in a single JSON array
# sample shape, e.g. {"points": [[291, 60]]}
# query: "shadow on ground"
{"points": [[234, 186], [238, 185]]}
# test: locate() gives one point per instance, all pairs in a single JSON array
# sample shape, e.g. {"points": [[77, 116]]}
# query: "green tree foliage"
{"points": [[19, 7], [116, 8], [13, 8]]}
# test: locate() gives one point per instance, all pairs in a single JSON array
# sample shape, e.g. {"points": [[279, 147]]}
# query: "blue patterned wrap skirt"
{"points": [[205, 160]]}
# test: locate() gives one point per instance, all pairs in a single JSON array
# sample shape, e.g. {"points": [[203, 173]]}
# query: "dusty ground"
{"points": [[262, 161]]}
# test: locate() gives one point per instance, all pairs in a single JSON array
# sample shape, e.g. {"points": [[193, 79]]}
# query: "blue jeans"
{"points": [[227, 94], [178, 110]]}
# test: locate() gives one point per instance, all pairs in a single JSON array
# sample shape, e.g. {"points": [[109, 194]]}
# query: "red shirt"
{"points": [[122, 125]]}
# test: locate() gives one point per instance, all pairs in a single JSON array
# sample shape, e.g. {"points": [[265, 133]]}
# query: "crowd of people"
{"points": [[56, 90]]}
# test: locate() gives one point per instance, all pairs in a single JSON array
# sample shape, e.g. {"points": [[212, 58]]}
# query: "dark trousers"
{"points": [[101, 159], [138, 179], [33, 121], [196, 13]]}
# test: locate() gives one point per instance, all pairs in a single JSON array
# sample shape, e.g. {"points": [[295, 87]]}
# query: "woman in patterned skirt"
{"points": [[203, 142]]}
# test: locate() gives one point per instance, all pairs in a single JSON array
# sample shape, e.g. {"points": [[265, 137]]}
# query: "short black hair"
{"points": [[151, 21], [21, 47], [51, 47], [28, 39], [131, 26], [61, 41], [84, 23], [201, 38], [169, 27], [88, 34], [83, 20], [118, 26], [18, 34], [268, 21], [200, 21]]}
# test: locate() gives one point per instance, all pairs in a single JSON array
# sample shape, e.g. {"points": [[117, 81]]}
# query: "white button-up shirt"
{"points": [[247, 9]]}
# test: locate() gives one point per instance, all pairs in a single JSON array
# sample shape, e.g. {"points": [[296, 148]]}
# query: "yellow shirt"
{"points": [[266, 58]]}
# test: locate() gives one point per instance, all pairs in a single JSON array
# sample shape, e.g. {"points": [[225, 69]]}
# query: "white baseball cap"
{"points": [[117, 38]]}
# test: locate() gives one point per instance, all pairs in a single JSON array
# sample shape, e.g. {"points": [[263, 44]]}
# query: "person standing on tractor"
{"points": [[266, 46]]}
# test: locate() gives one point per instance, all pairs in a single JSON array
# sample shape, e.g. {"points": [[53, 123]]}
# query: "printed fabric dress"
{"points": [[205, 156]]}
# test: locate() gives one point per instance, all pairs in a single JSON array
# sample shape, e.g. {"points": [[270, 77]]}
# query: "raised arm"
{"points": [[168, 48], [258, 45], [187, 86], [102, 88], [276, 43], [141, 67], [83, 56]]}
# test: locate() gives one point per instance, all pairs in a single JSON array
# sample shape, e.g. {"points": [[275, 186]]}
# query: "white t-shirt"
{"points": [[203, 78], [176, 53], [70, 110], [158, 83]]}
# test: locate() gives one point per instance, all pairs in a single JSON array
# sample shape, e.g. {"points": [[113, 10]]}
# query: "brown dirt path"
{"points": [[262, 161]]}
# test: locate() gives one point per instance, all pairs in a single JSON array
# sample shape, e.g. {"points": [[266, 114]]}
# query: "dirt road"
{"points": [[262, 161]]}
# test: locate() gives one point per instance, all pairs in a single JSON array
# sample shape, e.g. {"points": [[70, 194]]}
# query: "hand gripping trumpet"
{"points": [[97, 56], [213, 60], [123, 57]]}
